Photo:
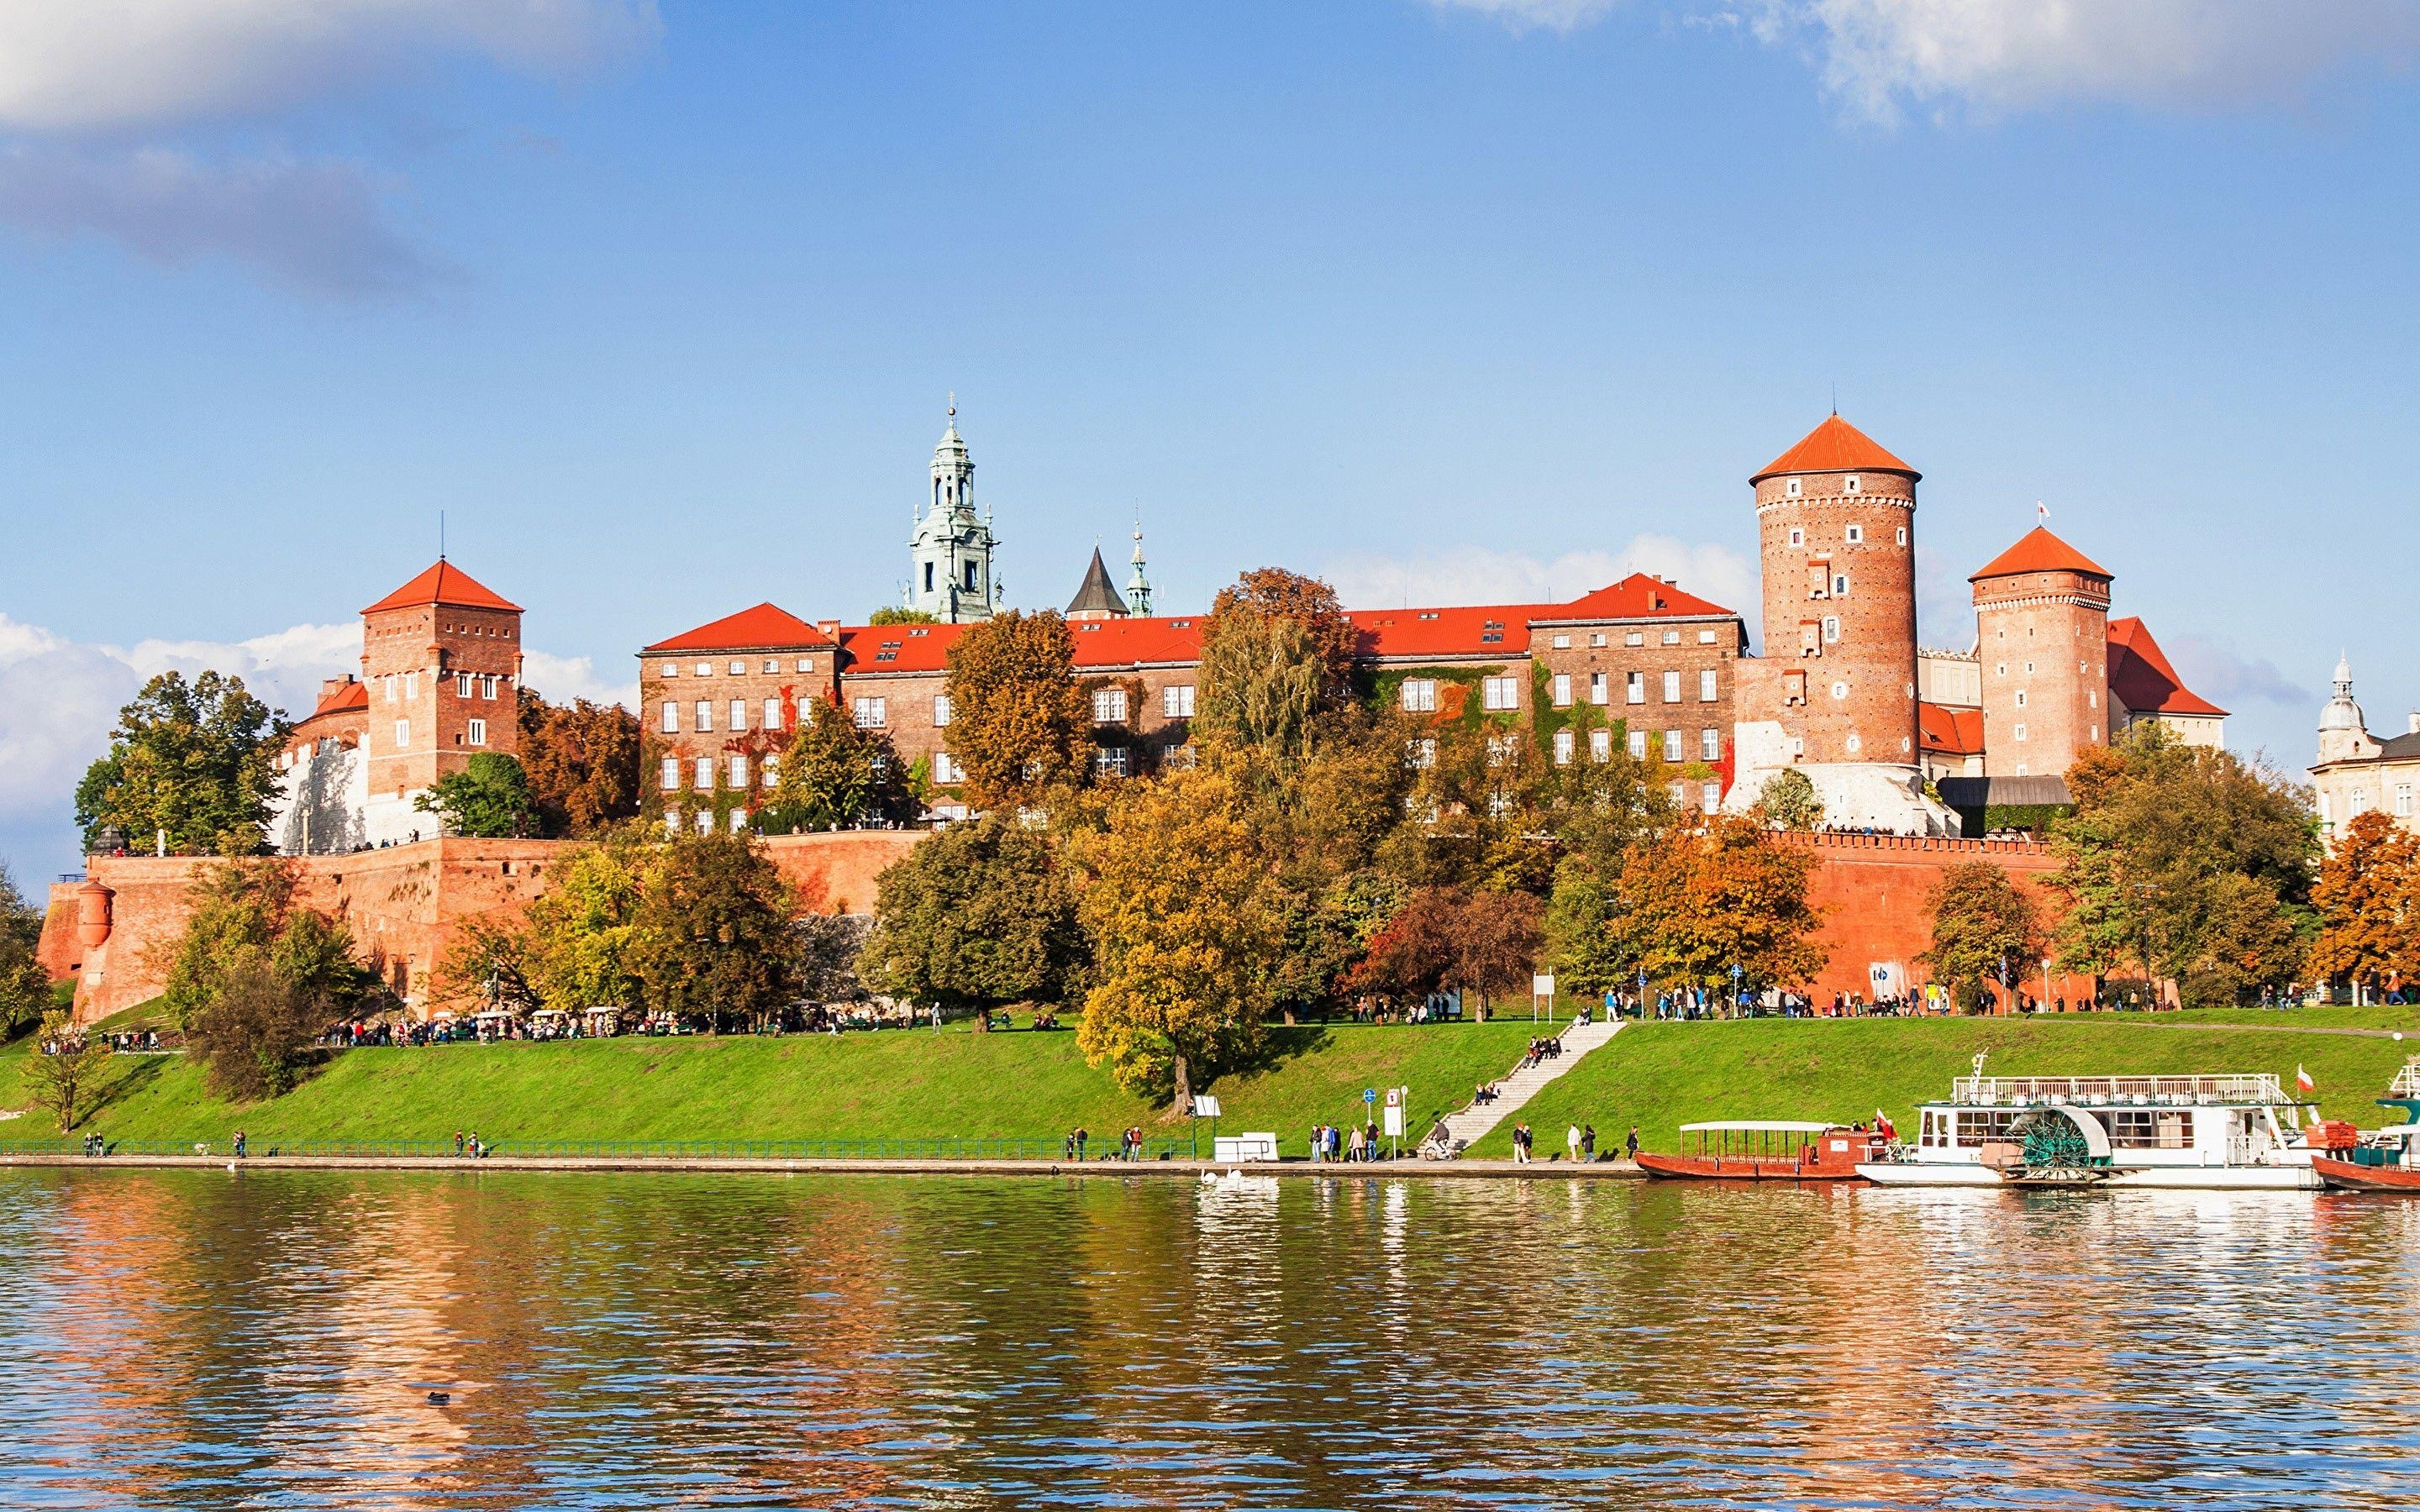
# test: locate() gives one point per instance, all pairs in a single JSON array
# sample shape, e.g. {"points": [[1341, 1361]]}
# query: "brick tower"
{"points": [[442, 662], [1836, 528], [2041, 624]]}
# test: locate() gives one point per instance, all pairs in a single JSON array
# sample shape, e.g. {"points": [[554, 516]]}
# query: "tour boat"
{"points": [[2198, 1133], [1767, 1150], [2383, 1160]]}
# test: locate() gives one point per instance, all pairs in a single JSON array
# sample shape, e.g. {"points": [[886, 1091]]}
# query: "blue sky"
{"points": [[1448, 299]]}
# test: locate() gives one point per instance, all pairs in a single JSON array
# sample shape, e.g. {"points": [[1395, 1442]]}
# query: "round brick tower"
{"points": [[1836, 528], [2042, 626]]}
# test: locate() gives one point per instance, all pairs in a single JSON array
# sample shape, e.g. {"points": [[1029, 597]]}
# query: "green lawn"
{"points": [[894, 1084], [1661, 1075]]}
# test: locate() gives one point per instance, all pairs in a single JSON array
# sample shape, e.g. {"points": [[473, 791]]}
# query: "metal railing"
{"points": [[1095, 1151], [2169, 1090]]}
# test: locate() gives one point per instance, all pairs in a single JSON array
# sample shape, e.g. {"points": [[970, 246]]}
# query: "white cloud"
{"points": [[1878, 58], [2232, 679], [317, 226], [86, 64], [1478, 575], [561, 679], [1535, 15]]}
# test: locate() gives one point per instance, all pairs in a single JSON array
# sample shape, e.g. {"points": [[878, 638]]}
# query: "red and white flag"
{"points": [[2302, 1082]]}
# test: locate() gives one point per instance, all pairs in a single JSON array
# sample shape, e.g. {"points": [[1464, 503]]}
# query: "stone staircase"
{"points": [[1457, 1132]]}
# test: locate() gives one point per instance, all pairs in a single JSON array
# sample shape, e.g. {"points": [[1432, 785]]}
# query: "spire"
{"points": [[2342, 714], [1096, 599], [1138, 586]]}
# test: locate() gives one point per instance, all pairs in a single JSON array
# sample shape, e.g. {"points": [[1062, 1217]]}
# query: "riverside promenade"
{"points": [[1539, 1170]]}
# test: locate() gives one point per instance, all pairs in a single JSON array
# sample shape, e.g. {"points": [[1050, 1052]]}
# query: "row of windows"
{"points": [[1637, 637], [1854, 536], [2357, 802], [1423, 753], [705, 821], [404, 688], [704, 724], [1851, 483], [772, 667], [768, 772], [1635, 687], [474, 733]]}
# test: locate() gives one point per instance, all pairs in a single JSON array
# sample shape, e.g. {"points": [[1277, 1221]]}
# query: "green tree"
{"points": [[244, 914], [579, 951], [892, 614], [62, 1071], [978, 916], [1273, 592], [1263, 685], [1787, 801], [1985, 929], [1587, 948], [2187, 861], [1019, 725], [24, 986], [835, 776], [487, 799], [712, 930], [255, 1039], [1176, 904], [581, 760], [193, 761]]}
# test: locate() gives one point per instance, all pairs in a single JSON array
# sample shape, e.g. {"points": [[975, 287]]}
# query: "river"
{"points": [[206, 1339]]}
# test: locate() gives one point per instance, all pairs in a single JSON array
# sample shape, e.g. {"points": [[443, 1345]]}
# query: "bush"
{"points": [[255, 1039]]}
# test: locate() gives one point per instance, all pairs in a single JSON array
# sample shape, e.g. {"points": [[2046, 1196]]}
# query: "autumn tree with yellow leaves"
{"points": [[2369, 902]]}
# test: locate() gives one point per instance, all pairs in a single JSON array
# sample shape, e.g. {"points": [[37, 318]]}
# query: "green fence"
{"points": [[1095, 1151]]}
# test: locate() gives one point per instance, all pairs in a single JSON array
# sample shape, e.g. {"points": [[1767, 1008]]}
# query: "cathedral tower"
{"points": [[2041, 626], [1835, 526], [949, 556]]}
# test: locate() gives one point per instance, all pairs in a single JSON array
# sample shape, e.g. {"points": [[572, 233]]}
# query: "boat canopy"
{"points": [[1758, 1126]]}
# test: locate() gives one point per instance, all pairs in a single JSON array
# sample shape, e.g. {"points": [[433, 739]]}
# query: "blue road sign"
{"points": [[1369, 1094]]}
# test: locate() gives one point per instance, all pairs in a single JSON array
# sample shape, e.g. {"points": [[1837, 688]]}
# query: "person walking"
{"points": [[1634, 1144], [1520, 1144], [1588, 1142], [1571, 1142]]}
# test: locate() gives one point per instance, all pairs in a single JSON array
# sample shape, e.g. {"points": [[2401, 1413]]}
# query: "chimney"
{"points": [[830, 628], [2415, 725]]}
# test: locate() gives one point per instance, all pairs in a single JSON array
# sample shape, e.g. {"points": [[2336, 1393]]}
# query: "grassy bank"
{"points": [[1660, 1076], [892, 1084]]}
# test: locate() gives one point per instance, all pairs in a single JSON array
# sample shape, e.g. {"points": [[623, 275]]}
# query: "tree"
{"points": [[2369, 902], [581, 760], [1787, 801], [826, 947], [194, 761], [62, 1072], [1413, 953], [1985, 928], [1697, 904], [243, 916], [24, 986], [978, 916], [1263, 685], [835, 776], [1586, 948], [711, 934], [487, 799], [892, 614], [1496, 942], [2189, 861], [1273, 592], [254, 1039], [580, 949], [1018, 724], [1176, 905]]}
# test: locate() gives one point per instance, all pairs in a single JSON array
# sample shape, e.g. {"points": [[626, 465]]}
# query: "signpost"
{"points": [[1205, 1106], [1542, 989]]}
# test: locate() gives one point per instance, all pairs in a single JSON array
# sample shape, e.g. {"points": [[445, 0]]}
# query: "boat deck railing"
{"points": [[2407, 1081], [2171, 1092]]}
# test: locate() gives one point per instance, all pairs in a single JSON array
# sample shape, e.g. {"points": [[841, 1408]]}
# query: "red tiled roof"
{"points": [[1112, 643], [761, 628], [444, 583], [2141, 678], [1950, 731], [1835, 446], [2038, 551], [1638, 597], [1483, 629]]}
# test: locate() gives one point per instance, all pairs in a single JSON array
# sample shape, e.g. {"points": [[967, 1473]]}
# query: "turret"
{"points": [[2042, 620]]}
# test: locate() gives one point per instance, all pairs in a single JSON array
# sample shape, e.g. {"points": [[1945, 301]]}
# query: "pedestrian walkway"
{"points": [[1457, 1132]]}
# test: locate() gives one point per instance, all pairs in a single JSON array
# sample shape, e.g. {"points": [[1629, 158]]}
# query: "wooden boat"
{"points": [[2383, 1160], [1767, 1150]]}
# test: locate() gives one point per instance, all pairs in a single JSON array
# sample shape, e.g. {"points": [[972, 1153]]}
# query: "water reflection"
{"points": [[205, 1338]]}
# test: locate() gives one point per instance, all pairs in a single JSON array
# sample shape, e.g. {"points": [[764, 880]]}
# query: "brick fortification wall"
{"points": [[405, 903]]}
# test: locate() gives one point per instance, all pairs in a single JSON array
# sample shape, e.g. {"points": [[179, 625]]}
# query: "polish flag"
{"points": [[2302, 1082]]}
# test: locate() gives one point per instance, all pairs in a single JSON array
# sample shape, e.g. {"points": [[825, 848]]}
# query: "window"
{"points": [[1705, 637], [1420, 754], [1499, 694], [869, 714], [705, 821], [1109, 761], [1176, 701], [1633, 688], [2359, 803], [942, 711], [772, 666], [475, 733], [1841, 585], [1562, 643], [2029, 667], [738, 820], [1671, 637], [1564, 741], [1680, 792], [739, 668], [2019, 730], [672, 719], [1501, 750], [970, 588], [1636, 638], [772, 713], [1856, 535], [671, 821], [1711, 796], [1793, 491], [1109, 707], [946, 769], [1902, 535], [1710, 745], [487, 687], [2403, 800], [2021, 698], [672, 774], [768, 771], [1797, 536], [1672, 688], [670, 668], [1600, 745], [389, 681], [738, 714], [402, 733], [739, 772], [1420, 695], [1706, 685], [1831, 629], [1598, 692], [1850, 483], [1839, 690], [705, 669], [1673, 747], [1596, 639], [411, 687], [462, 685], [806, 664], [705, 780], [704, 716], [1639, 745], [1562, 690], [1855, 742]]}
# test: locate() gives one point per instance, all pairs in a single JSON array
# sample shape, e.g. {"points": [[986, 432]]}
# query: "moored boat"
{"points": [[2380, 1159], [2229, 1133], [1767, 1150]]}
